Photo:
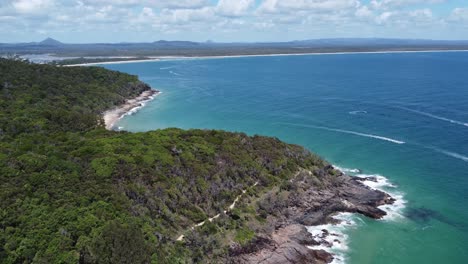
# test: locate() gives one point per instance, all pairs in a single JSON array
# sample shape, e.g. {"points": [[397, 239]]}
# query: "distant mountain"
{"points": [[51, 42], [176, 43]]}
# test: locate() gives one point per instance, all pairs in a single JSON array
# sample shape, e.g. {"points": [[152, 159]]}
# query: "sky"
{"points": [[97, 21]]}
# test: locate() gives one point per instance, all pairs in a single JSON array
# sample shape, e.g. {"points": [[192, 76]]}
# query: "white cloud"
{"points": [[212, 18], [421, 14], [364, 12], [384, 17], [181, 3], [178, 16], [234, 8], [386, 4], [31, 6], [459, 15], [280, 6], [171, 4]]}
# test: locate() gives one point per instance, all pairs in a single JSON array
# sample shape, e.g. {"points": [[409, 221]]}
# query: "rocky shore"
{"points": [[112, 116], [310, 204]]}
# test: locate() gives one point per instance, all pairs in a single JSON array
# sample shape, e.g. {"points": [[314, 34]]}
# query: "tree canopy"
{"points": [[73, 192]]}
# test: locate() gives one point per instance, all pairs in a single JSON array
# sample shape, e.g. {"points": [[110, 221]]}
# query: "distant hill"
{"points": [[189, 48], [51, 42], [176, 43]]}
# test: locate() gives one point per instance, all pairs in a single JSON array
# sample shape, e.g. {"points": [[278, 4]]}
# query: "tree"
{"points": [[117, 243]]}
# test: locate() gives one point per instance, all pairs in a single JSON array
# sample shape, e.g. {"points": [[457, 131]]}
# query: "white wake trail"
{"points": [[434, 116], [349, 132], [451, 154]]}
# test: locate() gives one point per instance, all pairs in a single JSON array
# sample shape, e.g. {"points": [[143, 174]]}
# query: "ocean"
{"points": [[402, 117]]}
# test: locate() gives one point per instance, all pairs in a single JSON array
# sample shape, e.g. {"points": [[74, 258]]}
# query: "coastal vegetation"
{"points": [[73, 192], [163, 48]]}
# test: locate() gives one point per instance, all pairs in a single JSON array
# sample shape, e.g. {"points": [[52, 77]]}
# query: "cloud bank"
{"points": [[230, 20]]}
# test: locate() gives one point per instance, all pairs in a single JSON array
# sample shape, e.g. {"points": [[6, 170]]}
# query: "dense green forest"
{"points": [[73, 192]]}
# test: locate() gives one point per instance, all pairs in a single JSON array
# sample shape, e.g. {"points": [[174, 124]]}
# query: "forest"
{"points": [[73, 192]]}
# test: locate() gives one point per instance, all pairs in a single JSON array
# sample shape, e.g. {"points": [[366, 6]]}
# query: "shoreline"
{"points": [[169, 58], [111, 117], [308, 225], [318, 227], [111, 62], [332, 236]]}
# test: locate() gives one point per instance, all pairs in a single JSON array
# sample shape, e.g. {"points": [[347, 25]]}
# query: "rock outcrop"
{"points": [[309, 205]]}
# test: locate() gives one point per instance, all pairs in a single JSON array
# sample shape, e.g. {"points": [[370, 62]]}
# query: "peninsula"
{"points": [[73, 191]]}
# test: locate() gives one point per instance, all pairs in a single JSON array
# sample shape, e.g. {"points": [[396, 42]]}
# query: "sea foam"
{"points": [[346, 170], [137, 108], [394, 211], [335, 240]]}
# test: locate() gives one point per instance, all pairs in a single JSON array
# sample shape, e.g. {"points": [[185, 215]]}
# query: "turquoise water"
{"points": [[403, 116]]}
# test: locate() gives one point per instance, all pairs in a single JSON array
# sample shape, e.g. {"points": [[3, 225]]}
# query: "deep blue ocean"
{"points": [[400, 116]]}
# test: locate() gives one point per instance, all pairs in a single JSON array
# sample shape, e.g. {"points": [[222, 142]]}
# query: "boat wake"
{"points": [[349, 132], [434, 116], [168, 68], [450, 154], [357, 112], [175, 73]]}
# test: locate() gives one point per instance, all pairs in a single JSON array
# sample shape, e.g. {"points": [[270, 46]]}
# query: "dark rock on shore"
{"points": [[372, 179], [308, 205], [287, 245]]}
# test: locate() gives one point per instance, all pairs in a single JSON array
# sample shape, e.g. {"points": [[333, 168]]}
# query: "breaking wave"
{"points": [[333, 237], [378, 182], [140, 106]]}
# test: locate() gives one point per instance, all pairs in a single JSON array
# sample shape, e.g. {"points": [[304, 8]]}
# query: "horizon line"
{"points": [[240, 42]]}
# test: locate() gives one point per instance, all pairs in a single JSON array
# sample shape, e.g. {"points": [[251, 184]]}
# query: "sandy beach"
{"points": [[169, 58], [111, 62], [130, 106]]}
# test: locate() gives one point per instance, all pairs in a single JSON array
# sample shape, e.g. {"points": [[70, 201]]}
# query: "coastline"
{"points": [[315, 228], [332, 236], [111, 62], [169, 58], [317, 234], [111, 117], [307, 225]]}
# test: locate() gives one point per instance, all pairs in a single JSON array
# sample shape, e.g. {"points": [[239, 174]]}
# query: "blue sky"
{"points": [[80, 21]]}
